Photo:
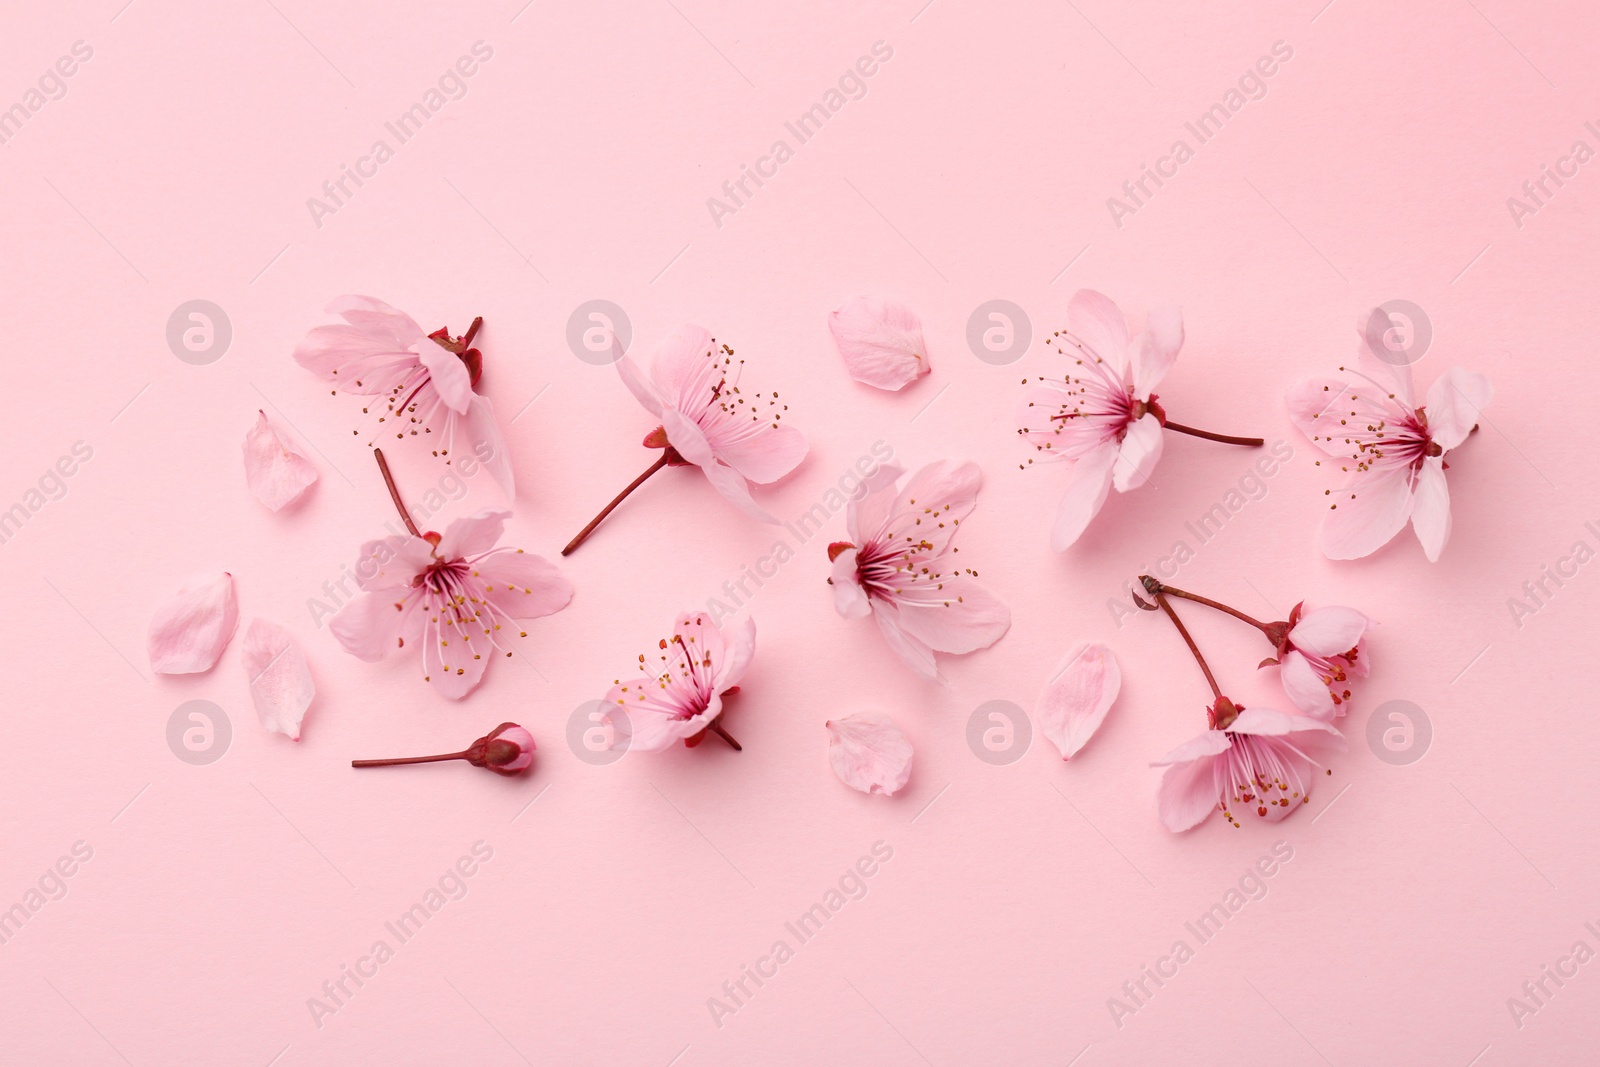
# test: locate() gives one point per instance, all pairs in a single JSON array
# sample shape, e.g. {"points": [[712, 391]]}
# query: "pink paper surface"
{"points": [[575, 164]]}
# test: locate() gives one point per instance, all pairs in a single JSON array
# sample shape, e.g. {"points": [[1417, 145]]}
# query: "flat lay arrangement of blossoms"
{"points": [[449, 602]]}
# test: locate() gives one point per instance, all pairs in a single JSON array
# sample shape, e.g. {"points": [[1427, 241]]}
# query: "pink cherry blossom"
{"points": [[191, 628], [1393, 450], [869, 753], [899, 565], [680, 697], [1322, 650], [277, 476], [455, 597], [1103, 414], [1253, 761], [424, 382], [880, 342], [280, 679], [1076, 699]]}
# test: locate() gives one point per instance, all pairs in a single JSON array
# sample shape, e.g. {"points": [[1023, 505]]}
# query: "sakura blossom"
{"points": [[678, 693], [1103, 415], [900, 567], [421, 383], [1392, 450], [707, 421], [869, 753], [455, 597], [880, 342], [276, 474]]}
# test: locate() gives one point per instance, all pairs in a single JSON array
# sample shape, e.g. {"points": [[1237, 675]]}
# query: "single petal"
{"points": [[521, 584], [275, 475], [869, 753], [1329, 631], [1189, 793], [1099, 325], [473, 534], [328, 350], [1456, 400], [685, 370], [449, 374], [369, 627], [1313, 405], [686, 437], [739, 649], [636, 382], [1086, 493], [915, 654], [972, 618], [391, 563], [1210, 743], [1393, 377], [1271, 722], [1138, 454], [377, 319], [280, 678], [1075, 702], [1157, 348], [478, 431], [190, 630], [767, 455], [451, 662], [1304, 687], [1430, 515], [880, 342], [1367, 513], [849, 599], [866, 513]]}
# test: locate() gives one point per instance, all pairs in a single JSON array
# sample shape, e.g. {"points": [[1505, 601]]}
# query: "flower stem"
{"points": [[407, 759], [1156, 590], [1250, 442], [583, 534], [1208, 602], [394, 493], [716, 728]]}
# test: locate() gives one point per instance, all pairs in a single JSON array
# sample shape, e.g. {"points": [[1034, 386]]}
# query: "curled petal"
{"points": [[880, 342], [450, 375], [869, 753], [1304, 688], [280, 678], [190, 630], [277, 476], [1075, 702], [692, 445], [849, 599]]}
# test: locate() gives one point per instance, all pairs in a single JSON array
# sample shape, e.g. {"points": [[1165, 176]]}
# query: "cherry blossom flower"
{"points": [[708, 422], [869, 753], [276, 475], [454, 595], [680, 697], [423, 382], [1103, 414], [899, 565], [880, 342], [1076, 700], [1251, 761], [507, 749], [1393, 450], [190, 630], [280, 679]]}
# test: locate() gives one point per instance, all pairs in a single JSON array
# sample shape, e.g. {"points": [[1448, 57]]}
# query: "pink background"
{"points": [[1019, 898]]}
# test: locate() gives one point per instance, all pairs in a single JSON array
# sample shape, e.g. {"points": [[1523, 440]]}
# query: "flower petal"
{"points": [[1456, 400], [280, 678], [686, 437], [739, 649], [869, 753], [473, 534], [1270, 722], [478, 432], [880, 342], [684, 369], [1367, 514], [1311, 403], [1086, 493], [1156, 348], [915, 654], [449, 374], [637, 383], [377, 319], [390, 563], [1099, 325], [1304, 687], [369, 627], [1138, 454], [767, 455], [190, 630], [277, 476], [1075, 702], [521, 584], [971, 619], [849, 599], [1430, 515], [1329, 631], [1189, 793], [1210, 743], [866, 513]]}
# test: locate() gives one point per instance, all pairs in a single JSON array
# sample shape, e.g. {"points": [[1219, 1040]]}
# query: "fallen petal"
{"points": [[189, 631], [881, 343], [280, 679], [1075, 702], [277, 476], [869, 753]]}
